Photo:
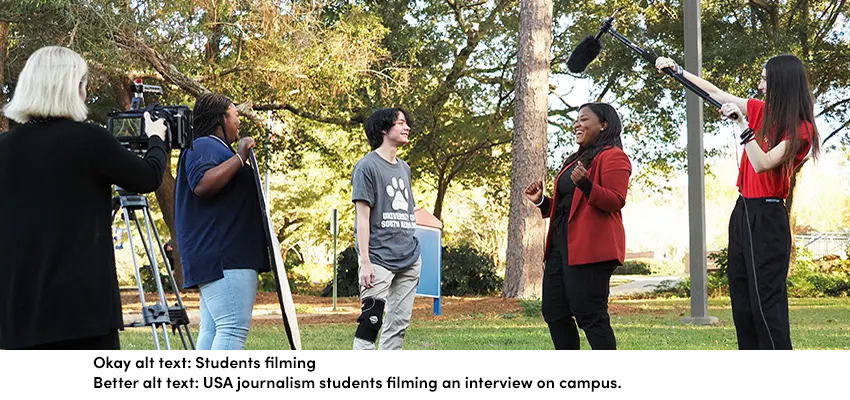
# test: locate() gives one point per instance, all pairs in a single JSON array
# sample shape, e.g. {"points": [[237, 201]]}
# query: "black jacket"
{"points": [[57, 266]]}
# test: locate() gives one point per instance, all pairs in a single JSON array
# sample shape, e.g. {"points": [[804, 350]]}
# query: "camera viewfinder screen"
{"points": [[128, 126]]}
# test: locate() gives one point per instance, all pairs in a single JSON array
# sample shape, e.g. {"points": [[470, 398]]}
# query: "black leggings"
{"points": [[577, 294], [759, 253], [106, 342]]}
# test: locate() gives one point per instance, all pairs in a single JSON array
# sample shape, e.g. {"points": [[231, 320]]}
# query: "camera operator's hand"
{"points": [[154, 128], [245, 146]]}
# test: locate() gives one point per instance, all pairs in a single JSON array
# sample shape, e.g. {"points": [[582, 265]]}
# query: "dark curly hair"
{"points": [[381, 121]]}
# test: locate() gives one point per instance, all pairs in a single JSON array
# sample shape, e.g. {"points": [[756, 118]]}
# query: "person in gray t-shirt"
{"points": [[384, 226]]}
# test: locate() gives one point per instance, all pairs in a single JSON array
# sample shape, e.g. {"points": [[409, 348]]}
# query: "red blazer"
{"points": [[595, 226]]}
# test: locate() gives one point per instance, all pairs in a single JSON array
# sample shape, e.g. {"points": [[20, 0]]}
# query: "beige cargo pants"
{"points": [[397, 289]]}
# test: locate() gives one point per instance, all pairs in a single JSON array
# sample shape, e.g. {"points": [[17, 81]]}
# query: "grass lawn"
{"points": [[495, 323]]}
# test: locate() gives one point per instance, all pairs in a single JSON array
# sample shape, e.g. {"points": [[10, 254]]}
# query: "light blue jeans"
{"points": [[226, 307]]}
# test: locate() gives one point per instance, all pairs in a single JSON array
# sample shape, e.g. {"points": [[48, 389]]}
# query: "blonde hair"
{"points": [[49, 87]]}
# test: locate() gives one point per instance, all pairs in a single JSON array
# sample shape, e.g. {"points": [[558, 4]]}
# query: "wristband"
{"points": [[747, 135], [240, 159]]}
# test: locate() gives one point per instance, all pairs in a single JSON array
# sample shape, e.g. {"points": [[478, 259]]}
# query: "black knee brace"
{"points": [[371, 317]]}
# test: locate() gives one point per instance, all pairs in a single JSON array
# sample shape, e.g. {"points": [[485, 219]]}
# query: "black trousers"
{"points": [[759, 253], [577, 294], [106, 342]]}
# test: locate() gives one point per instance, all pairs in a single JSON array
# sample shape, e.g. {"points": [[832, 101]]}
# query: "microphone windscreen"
{"points": [[583, 55]]}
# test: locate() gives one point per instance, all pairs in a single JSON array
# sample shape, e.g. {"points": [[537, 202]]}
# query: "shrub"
{"points": [[149, 283], [468, 271], [649, 267], [347, 276], [633, 267], [827, 277], [718, 279], [669, 288], [298, 283], [531, 307]]}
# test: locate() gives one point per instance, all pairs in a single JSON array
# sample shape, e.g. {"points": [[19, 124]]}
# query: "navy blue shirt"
{"points": [[222, 231]]}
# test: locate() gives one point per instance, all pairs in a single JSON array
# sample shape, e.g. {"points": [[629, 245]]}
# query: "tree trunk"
{"points": [[121, 85], [213, 47], [4, 35], [524, 264], [442, 187], [165, 199], [804, 29]]}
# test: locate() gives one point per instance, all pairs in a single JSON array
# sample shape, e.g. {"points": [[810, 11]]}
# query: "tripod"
{"points": [[159, 314]]}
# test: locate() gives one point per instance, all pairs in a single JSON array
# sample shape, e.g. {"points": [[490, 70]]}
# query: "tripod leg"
{"points": [[181, 321], [138, 274], [155, 337], [189, 335], [155, 273], [163, 301], [147, 241], [165, 337], [133, 254], [182, 338]]}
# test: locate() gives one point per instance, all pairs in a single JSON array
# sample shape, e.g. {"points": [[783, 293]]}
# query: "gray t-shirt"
{"points": [[386, 188]]}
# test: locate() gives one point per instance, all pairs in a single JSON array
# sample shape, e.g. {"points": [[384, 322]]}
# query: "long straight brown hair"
{"points": [[789, 102]]}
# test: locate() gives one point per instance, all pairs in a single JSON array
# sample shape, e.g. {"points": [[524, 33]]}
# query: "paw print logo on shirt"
{"points": [[399, 194]]}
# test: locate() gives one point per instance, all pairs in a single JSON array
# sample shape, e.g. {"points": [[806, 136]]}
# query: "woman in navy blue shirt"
{"points": [[219, 225]]}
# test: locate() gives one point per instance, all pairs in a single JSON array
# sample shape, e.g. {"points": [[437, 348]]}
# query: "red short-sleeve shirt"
{"points": [[776, 182]]}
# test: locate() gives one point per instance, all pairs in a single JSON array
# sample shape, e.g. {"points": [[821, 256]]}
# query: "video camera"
{"points": [[129, 126]]}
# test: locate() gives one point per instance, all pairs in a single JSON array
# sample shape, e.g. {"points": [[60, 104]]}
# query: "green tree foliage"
{"points": [[458, 61]]}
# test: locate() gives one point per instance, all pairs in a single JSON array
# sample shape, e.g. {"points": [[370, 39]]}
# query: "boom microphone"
{"points": [[583, 55], [588, 49]]}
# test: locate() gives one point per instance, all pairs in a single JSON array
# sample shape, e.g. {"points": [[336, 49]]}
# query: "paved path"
{"points": [[640, 283]]}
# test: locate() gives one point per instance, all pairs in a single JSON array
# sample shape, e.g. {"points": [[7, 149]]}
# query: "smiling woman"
{"points": [[220, 225], [586, 239]]}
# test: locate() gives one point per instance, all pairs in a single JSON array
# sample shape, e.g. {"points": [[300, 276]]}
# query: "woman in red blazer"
{"points": [[586, 240]]}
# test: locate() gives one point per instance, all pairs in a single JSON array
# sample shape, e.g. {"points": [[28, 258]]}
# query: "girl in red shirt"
{"points": [[586, 239], [777, 138]]}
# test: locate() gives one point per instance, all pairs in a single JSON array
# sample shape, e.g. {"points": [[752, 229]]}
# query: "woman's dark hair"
{"points": [[209, 113], [608, 137], [381, 121], [788, 103]]}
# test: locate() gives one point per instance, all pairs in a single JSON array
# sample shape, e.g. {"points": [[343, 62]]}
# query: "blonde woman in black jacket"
{"points": [[58, 285]]}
